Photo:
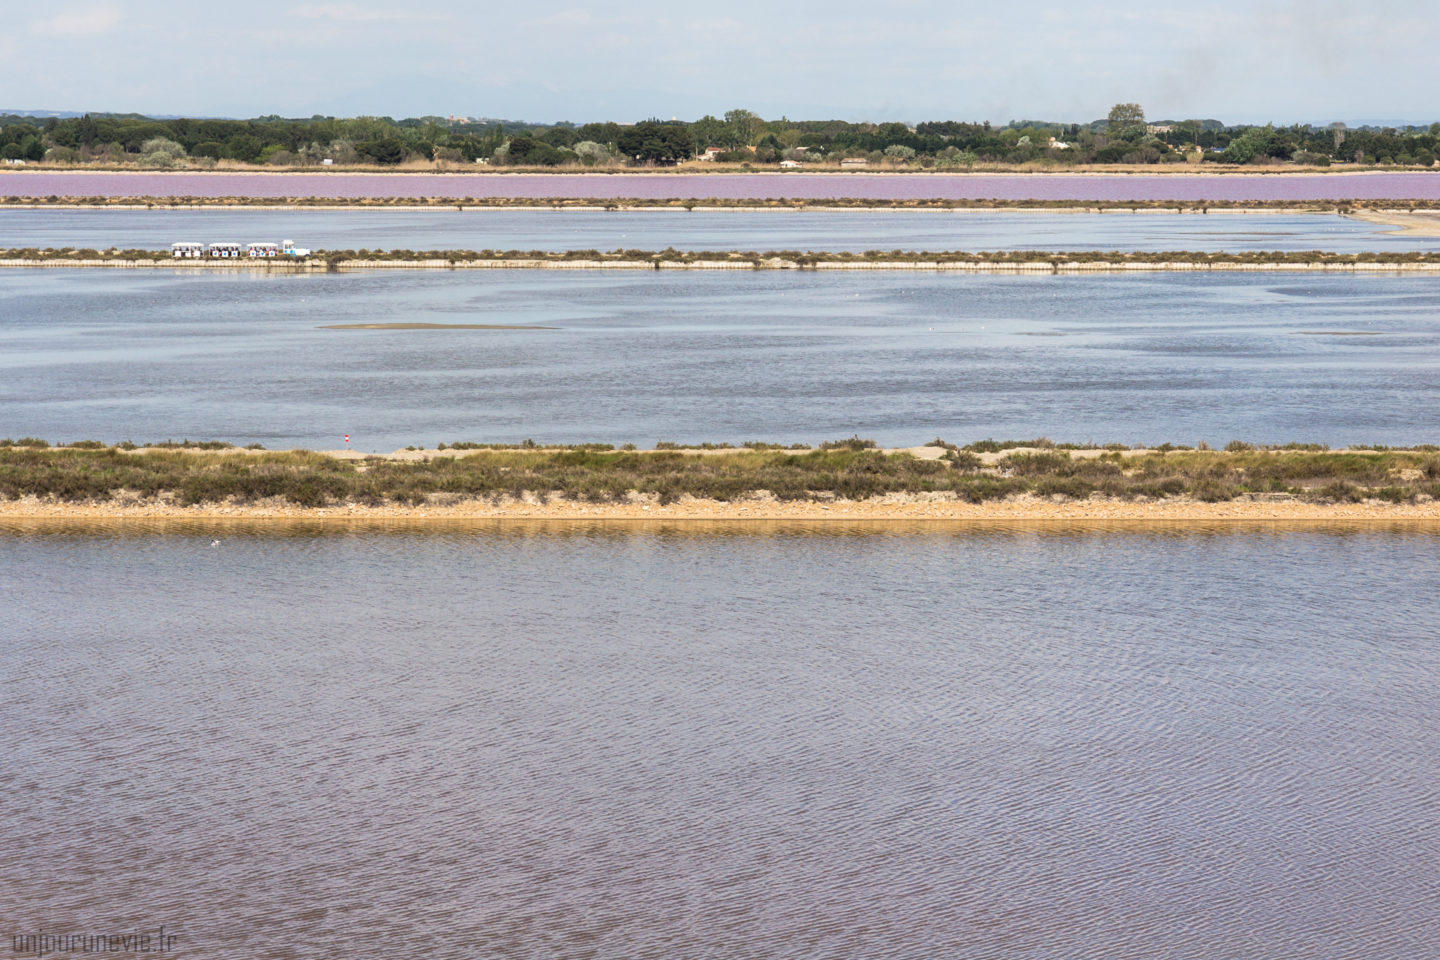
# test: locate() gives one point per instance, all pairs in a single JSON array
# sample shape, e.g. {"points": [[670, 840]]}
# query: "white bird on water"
{"points": [[214, 542]]}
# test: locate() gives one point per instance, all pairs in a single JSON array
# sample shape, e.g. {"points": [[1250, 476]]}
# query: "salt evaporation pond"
{"points": [[1113, 188], [546, 229], [657, 742], [643, 356]]}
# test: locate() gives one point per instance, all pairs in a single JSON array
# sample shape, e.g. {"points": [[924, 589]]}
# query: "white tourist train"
{"points": [[187, 250]]}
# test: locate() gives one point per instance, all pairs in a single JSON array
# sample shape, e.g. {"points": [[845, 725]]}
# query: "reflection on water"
{"points": [[799, 740]]}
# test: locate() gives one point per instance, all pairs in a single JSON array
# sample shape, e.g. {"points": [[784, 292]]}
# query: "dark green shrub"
{"points": [[854, 443], [1038, 464], [963, 460], [1210, 491], [1341, 492], [1073, 488]]}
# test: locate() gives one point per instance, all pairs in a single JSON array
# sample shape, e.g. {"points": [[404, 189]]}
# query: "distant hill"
{"points": [[68, 114], [16, 116]]}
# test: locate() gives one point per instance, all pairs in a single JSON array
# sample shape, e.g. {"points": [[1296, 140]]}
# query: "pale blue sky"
{"points": [[1282, 60]]}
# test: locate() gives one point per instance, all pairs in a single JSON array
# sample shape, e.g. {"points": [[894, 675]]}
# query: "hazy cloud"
{"points": [[80, 21], [1235, 60], [566, 19], [350, 13]]}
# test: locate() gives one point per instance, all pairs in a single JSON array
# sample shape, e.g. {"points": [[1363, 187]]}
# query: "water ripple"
{"points": [[585, 742]]}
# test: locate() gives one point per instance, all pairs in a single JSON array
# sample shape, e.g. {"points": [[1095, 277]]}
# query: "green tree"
{"points": [[655, 142], [589, 148], [160, 153], [565, 136], [246, 148], [709, 131], [85, 131], [162, 145], [745, 127], [387, 150], [529, 151], [606, 133], [1124, 119], [1254, 142]]}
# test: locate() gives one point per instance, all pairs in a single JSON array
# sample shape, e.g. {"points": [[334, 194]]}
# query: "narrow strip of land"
{"points": [[1011, 261], [710, 204], [843, 480]]}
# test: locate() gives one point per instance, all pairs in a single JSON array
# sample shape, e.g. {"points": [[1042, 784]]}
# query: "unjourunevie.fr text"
{"points": [[59, 944]]}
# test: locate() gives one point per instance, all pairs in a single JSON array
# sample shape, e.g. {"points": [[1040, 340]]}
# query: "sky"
{"points": [[1241, 61]]}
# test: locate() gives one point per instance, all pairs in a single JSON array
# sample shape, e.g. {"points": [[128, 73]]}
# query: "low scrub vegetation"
{"points": [[694, 203], [195, 474]]}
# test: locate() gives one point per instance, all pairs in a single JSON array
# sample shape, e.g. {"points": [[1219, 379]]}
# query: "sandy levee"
{"points": [[890, 508], [843, 480]]}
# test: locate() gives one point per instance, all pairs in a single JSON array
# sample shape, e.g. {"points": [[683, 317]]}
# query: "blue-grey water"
{"points": [[658, 742], [736, 356], [700, 230]]}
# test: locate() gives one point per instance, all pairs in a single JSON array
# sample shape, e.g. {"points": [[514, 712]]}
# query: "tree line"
{"points": [[740, 136]]}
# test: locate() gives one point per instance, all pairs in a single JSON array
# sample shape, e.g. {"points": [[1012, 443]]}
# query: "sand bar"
{"points": [[1335, 263], [1409, 224]]}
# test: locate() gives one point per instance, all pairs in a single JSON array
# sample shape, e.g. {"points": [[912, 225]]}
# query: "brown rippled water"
{"points": [[768, 741]]}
